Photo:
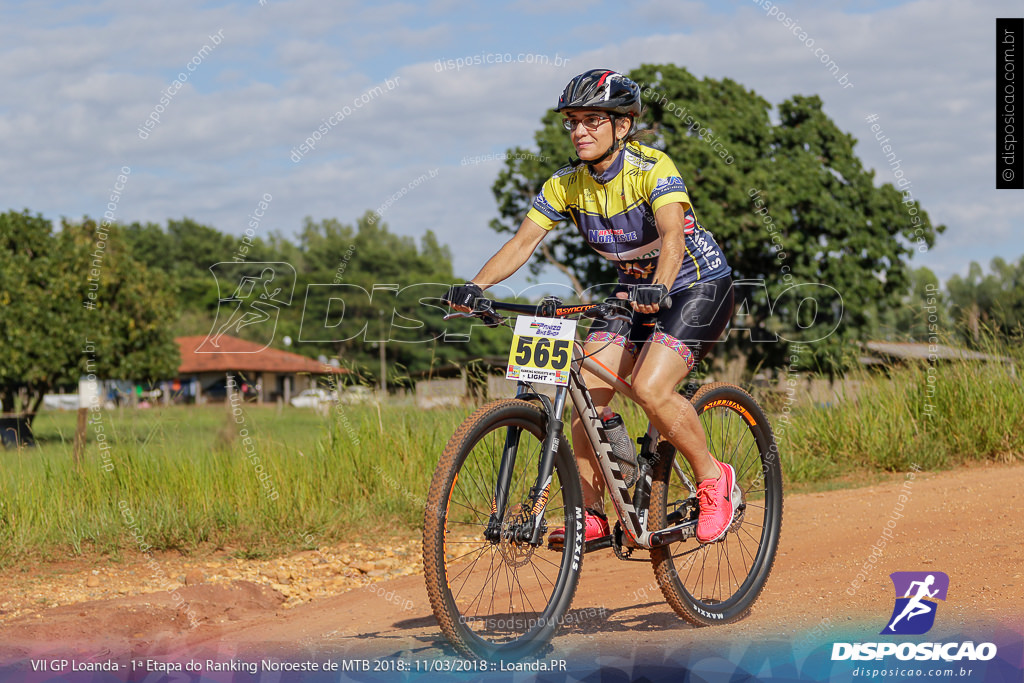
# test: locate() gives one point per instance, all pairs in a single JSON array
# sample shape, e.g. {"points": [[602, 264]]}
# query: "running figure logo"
{"points": [[916, 595], [255, 300]]}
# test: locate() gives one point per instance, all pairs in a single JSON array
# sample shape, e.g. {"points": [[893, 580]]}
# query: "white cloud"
{"points": [[75, 95]]}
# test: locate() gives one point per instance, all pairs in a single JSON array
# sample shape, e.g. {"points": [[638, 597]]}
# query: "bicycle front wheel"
{"points": [[718, 582], [500, 597]]}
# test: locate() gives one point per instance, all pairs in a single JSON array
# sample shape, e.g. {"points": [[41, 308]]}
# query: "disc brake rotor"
{"points": [[515, 553]]}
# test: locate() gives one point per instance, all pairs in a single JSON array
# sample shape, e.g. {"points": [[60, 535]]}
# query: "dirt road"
{"points": [[965, 523]]}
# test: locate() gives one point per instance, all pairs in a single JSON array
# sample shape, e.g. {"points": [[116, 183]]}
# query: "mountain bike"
{"points": [[508, 477]]}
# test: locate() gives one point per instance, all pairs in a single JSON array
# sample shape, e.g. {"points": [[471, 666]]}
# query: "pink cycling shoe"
{"points": [[596, 526], [717, 505]]}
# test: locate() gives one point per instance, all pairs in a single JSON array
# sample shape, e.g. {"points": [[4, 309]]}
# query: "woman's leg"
{"points": [[658, 371], [686, 332]]}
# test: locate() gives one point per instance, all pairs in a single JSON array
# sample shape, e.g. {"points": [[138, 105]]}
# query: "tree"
{"points": [[332, 260], [841, 244], [994, 301], [76, 302], [382, 279], [921, 314], [185, 251]]}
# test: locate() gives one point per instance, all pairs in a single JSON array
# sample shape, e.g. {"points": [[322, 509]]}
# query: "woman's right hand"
{"points": [[463, 297]]}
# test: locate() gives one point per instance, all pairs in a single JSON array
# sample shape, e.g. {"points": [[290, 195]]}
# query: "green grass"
{"points": [[935, 417], [187, 478], [190, 481]]}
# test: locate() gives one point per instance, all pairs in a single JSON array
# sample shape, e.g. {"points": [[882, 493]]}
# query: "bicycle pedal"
{"points": [[737, 493]]}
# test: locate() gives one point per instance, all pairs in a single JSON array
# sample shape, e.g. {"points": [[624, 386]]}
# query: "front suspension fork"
{"points": [[531, 531]]}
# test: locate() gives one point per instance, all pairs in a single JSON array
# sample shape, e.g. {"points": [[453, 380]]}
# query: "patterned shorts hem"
{"points": [[679, 347], [616, 339]]}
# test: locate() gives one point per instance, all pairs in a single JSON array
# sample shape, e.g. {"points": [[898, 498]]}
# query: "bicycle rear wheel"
{"points": [[717, 583], [500, 597]]}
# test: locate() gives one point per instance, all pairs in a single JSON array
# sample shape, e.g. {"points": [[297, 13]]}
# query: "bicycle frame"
{"points": [[631, 510]]}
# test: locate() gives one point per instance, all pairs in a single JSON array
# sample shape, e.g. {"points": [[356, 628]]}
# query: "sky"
{"points": [[256, 79]]}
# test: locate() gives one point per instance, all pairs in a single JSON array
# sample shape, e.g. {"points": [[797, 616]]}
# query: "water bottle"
{"points": [[622, 446]]}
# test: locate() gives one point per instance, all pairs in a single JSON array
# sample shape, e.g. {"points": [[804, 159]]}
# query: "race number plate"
{"points": [[541, 350]]}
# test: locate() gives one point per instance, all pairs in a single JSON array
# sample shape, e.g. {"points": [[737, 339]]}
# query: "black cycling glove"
{"points": [[464, 295], [648, 295]]}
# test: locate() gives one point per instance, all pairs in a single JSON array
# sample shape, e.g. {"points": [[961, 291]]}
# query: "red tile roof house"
{"points": [[267, 374]]}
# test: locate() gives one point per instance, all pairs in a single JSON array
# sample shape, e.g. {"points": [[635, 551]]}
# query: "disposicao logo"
{"points": [[916, 593], [914, 614]]}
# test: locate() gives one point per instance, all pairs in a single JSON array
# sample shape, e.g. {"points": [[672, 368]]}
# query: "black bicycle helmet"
{"points": [[605, 90], [601, 89]]}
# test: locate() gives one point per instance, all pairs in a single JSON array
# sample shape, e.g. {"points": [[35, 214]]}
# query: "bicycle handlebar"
{"points": [[487, 309]]}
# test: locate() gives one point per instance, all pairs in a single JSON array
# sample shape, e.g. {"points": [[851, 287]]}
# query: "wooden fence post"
{"points": [[79, 446]]}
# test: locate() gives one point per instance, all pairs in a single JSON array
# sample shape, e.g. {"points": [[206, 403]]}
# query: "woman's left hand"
{"points": [[647, 298]]}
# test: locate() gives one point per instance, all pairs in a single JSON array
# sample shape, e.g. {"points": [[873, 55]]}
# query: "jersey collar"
{"points": [[613, 170]]}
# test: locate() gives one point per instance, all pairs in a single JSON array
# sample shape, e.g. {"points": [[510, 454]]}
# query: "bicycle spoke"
{"points": [[538, 575], [455, 522], [469, 568], [753, 461], [482, 489], [474, 510], [541, 558], [459, 557], [522, 591], [728, 559], [743, 550], [749, 534]]}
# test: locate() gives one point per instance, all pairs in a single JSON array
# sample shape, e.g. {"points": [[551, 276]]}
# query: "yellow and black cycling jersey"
{"points": [[614, 212]]}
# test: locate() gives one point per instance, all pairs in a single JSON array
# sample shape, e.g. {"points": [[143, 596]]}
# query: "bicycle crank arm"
{"points": [[673, 534], [589, 546]]}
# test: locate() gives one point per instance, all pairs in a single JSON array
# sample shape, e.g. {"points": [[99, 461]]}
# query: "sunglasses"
{"points": [[592, 122]]}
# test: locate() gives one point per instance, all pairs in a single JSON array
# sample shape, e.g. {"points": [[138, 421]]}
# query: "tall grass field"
{"points": [[258, 482]]}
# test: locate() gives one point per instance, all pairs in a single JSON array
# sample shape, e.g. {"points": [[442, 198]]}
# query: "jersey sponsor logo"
{"points": [[541, 204], [645, 163], [666, 185], [689, 220], [637, 270], [565, 170], [606, 236], [706, 248]]}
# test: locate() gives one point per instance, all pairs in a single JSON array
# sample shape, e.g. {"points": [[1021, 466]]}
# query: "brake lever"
{"points": [[618, 309], [492, 320], [489, 317], [487, 313]]}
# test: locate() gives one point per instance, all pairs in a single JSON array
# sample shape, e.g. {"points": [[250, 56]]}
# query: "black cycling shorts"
{"points": [[690, 327]]}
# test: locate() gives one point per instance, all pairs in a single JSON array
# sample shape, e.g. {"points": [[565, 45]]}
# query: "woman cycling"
{"points": [[630, 204]]}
